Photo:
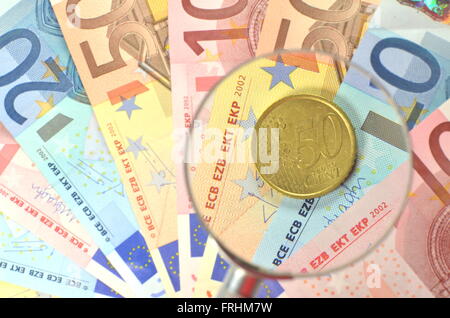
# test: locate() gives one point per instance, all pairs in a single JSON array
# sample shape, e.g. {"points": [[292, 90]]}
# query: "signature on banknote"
{"points": [[58, 205]]}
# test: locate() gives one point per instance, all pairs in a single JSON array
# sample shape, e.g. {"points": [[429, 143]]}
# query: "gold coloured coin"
{"points": [[316, 146]]}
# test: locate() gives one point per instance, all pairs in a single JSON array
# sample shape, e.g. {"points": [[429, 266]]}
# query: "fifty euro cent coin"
{"points": [[316, 145]]}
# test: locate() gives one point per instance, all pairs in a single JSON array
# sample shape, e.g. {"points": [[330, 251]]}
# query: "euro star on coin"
{"points": [[317, 146]]}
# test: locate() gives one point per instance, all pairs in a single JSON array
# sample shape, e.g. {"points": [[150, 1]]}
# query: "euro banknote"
{"points": [[422, 232], [418, 91], [413, 260], [31, 202], [411, 63], [247, 217], [334, 26], [31, 263], [132, 107], [381, 274], [331, 26], [207, 40], [415, 105], [408, 263], [40, 93]]}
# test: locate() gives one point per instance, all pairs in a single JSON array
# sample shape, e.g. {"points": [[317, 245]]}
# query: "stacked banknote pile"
{"points": [[97, 99]]}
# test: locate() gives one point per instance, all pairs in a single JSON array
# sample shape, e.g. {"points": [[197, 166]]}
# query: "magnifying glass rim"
{"points": [[258, 270]]}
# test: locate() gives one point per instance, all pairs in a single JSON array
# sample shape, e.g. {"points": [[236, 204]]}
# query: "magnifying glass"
{"points": [[298, 164]]}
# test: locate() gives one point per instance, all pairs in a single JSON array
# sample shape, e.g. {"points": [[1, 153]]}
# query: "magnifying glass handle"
{"points": [[239, 284]]}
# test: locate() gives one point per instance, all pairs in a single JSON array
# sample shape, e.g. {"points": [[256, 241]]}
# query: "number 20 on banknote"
{"points": [[62, 85]]}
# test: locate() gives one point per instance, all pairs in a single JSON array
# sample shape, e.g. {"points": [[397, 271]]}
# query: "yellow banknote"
{"points": [[13, 291], [247, 194], [334, 26], [110, 42], [233, 200]]}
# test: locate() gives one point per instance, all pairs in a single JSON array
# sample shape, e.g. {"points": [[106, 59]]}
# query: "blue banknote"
{"points": [[29, 262]]}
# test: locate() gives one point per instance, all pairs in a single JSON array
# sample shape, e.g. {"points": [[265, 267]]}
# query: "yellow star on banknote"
{"points": [[210, 57], [234, 25], [435, 197], [409, 109], [159, 180], [50, 73], [45, 106]]}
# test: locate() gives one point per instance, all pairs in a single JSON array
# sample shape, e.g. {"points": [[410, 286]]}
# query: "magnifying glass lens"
{"points": [[298, 163]]}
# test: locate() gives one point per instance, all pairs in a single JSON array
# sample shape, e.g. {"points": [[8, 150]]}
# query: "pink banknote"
{"points": [[415, 259], [27, 198]]}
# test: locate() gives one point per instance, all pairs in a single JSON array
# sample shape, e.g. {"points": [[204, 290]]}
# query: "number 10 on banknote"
{"points": [[107, 40]]}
